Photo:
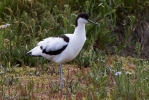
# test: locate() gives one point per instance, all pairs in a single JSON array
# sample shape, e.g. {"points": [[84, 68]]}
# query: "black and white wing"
{"points": [[50, 46]]}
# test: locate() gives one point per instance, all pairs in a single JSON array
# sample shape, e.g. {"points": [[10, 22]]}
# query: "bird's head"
{"points": [[83, 18]]}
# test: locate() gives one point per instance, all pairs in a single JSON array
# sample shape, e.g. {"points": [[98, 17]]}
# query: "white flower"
{"points": [[118, 73], [128, 73], [4, 26], [8, 24]]}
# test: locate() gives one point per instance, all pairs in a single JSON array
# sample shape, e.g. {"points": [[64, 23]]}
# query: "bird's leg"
{"points": [[60, 73]]}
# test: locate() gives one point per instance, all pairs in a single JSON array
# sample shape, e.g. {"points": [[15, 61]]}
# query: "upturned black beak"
{"points": [[92, 22]]}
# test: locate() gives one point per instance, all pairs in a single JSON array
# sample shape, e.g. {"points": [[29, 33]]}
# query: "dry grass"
{"points": [[78, 84], [44, 85]]}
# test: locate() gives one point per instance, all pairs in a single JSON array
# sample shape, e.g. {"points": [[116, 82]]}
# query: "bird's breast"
{"points": [[75, 46]]}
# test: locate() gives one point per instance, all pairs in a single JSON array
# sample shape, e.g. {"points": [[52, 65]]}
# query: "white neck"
{"points": [[80, 29]]}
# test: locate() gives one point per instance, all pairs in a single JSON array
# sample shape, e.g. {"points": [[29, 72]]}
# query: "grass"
{"points": [[98, 81], [93, 74]]}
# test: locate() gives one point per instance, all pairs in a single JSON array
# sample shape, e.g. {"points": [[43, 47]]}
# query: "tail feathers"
{"points": [[35, 52]]}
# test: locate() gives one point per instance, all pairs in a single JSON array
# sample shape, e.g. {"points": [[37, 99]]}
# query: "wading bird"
{"points": [[65, 47]]}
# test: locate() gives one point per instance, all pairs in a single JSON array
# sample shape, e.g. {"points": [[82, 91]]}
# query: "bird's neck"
{"points": [[80, 30]]}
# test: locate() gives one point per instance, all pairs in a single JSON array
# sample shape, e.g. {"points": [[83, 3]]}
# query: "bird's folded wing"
{"points": [[53, 45]]}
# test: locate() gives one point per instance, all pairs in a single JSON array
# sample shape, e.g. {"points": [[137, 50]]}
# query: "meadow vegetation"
{"points": [[97, 73]]}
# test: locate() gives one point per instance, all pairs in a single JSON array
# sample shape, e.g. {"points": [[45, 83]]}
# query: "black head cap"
{"points": [[81, 15]]}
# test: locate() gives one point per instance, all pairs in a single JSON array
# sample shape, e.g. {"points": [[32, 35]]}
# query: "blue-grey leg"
{"points": [[60, 72]]}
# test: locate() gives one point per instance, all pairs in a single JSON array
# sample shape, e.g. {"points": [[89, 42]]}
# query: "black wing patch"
{"points": [[66, 39], [56, 52]]}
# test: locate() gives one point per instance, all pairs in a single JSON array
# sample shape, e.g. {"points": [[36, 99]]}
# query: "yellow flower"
{"points": [[128, 73]]}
